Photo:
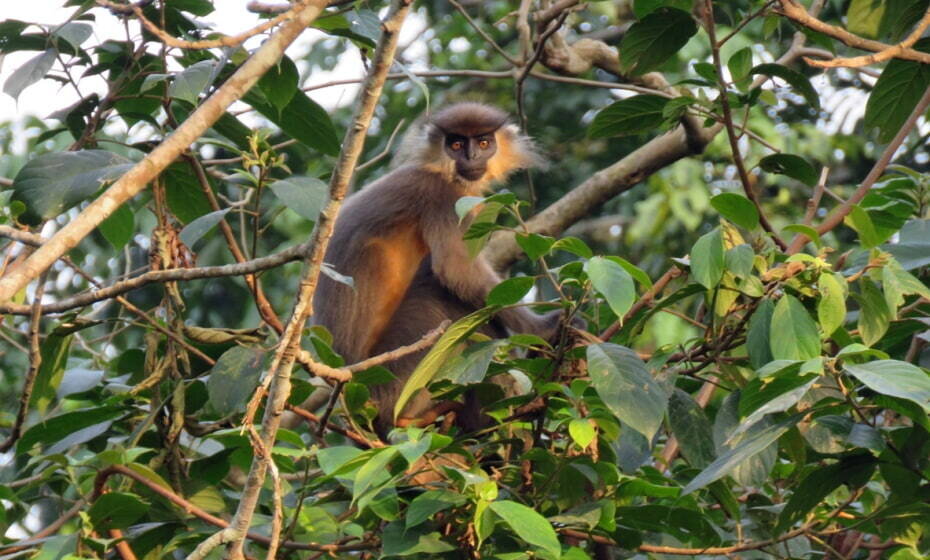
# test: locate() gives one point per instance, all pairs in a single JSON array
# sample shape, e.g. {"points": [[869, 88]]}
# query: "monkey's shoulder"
{"points": [[412, 180]]}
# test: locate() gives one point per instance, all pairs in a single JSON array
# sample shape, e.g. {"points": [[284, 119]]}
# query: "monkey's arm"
{"points": [[471, 279]]}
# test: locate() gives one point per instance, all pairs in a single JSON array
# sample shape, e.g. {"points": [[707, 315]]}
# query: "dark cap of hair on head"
{"points": [[469, 119]]}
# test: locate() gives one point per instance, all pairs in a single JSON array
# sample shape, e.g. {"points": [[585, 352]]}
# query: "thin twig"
{"points": [[484, 35]]}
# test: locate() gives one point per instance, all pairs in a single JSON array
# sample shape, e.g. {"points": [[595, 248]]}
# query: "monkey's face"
{"points": [[471, 153]]}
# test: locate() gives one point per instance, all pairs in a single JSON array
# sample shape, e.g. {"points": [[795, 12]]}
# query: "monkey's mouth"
{"points": [[471, 173]]}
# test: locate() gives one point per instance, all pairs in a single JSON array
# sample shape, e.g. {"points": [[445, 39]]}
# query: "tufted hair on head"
{"points": [[469, 119]]}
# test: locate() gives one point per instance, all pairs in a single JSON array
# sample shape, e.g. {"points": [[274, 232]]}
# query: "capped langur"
{"points": [[401, 242]]}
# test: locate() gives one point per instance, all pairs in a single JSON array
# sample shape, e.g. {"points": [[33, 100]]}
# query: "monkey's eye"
{"points": [[484, 144], [457, 145]]}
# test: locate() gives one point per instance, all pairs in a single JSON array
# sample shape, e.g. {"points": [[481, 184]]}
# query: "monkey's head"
{"points": [[472, 143]]}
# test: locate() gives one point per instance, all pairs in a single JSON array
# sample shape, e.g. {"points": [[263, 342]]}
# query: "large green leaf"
{"points": [[29, 73], [831, 309], [896, 93], [233, 378], [874, 315], [51, 183], [691, 428], [190, 83], [748, 447], [116, 510], [301, 119], [528, 525], [895, 379], [655, 39], [793, 332], [613, 282], [58, 428], [431, 502], [707, 259], [304, 195], [634, 115], [624, 384], [447, 344], [853, 471], [736, 208]]}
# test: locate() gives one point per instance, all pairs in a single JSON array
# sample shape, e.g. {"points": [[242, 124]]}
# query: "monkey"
{"points": [[400, 241]]}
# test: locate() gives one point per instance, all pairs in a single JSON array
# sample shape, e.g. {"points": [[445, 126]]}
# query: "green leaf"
{"points": [[896, 93], [29, 73], [233, 378], [736, 208], [628, 390], [535, 245], [119, 226], [797, 80], [438, 354], [304, 195], [655, 39], [831, 309], [75, 33], [397, 541], [852, 470], [195, 230], [54, 352], [356, 395], [739, 260], [184, 194], [574, 246], [895, 379], [279, 84], [613, 282], [740, 64], [301, 119], [51, 183], [470, 366], [511, 290], [373, 472], [866, 18], [759, 334], [690, 426], [192, 81], [752, 445], [482, 225], [116, 510], [859, 220], [634, 115], [528, 525], [431, 502], [582, 431], [874, 315], [793, 332], [791, 165], [897, 283], [58, 428], [707, 259], [808, 231]]}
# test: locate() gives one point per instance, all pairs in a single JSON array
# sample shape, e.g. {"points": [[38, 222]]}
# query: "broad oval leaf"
{"points": [[797, 80], [119, 227], [528, 525], [233, 378], [304, 195], [613, 282], [116, 510], [301, 119], [634, 115], [628, 390], [691, 428], [193, 231], [279, 83], [896, 93], [192, 81], [511, 290], [707, 259], [52, 183], [58, 428], [793, 332], [736, 208], [534, 244], [431, 502], [831, 309], [29, 73], [791, 165], [894, 378], [655, 39]]}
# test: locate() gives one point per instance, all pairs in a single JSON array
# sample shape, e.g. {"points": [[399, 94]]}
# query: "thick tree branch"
{"points": [[155, 162]]}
